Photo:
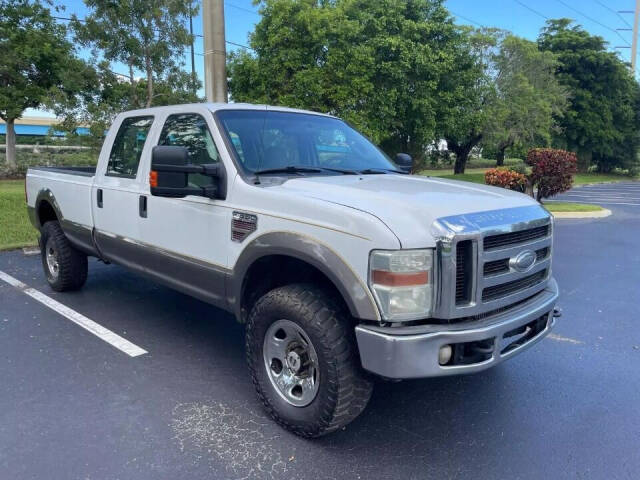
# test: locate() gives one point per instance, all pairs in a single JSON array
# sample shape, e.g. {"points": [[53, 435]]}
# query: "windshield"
{"points": [[265, 140]]}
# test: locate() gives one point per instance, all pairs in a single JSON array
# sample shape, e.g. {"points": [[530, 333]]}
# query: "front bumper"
{"points": [[412, 352]]}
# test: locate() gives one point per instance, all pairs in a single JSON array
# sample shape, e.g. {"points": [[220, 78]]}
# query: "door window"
{"points": [[190, 130], [127, 147]]}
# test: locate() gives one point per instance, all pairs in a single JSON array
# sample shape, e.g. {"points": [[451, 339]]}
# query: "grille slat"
{"points": [[464, 270], [493, 242], [498, 291], [496, 267]]}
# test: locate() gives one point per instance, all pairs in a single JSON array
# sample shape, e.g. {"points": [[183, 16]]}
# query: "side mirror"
{"points": [[169, 175], [404, 161]]}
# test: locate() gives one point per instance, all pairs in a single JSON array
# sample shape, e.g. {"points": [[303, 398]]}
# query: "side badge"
{"points": [[242, 225]]}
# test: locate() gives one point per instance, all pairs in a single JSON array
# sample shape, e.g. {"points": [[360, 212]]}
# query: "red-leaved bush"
{"points": [[552, 170], [499, 177]]}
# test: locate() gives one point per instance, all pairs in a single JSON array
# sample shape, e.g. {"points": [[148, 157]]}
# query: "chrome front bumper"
{"points": [[412, 352]]}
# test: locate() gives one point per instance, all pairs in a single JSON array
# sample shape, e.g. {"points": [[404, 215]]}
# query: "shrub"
{"points": [[505, 178], [46, 157], [552, 170]]}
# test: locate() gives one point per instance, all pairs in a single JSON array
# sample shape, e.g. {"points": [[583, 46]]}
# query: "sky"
{"points": [[522, 17]]}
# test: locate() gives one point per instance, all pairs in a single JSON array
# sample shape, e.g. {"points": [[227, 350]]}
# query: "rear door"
{"points": [[118, 189]]}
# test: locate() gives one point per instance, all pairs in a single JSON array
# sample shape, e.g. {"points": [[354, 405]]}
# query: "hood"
{"points": [[407, 204]]}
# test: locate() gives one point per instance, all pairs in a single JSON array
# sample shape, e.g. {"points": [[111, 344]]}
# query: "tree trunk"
{"points": [[134, 92], [462, 152], [149, 81], [461, 161], [500, 156], [11, 143], [584, 160]]}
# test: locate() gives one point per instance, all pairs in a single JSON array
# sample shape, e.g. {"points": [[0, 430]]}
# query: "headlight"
{"points": [[402, 282]]}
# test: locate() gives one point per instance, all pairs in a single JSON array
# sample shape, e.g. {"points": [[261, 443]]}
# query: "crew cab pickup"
{"points": [[342, 266]]}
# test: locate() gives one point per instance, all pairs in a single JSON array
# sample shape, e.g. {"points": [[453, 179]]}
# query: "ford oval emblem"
{"points": [[523, 261]]}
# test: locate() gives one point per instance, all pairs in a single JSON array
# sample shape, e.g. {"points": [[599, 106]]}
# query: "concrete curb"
{"points": [[597, 214]]}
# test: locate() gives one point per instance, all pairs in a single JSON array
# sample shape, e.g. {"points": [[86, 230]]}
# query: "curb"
{"points": [[597, 214]]}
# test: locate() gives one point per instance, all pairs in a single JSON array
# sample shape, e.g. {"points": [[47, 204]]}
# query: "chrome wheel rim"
{"points": [[51, 255], [291, 363]]}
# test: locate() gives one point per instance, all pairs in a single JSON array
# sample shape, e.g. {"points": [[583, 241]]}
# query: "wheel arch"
{"points": [[46, 209], [289, 257]]}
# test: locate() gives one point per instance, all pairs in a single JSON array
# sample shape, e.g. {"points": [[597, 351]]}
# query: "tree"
{"points": [[379, 65], [147, 36], [114, 95], [38, 66], [462, 119], [601, 120], [529, 100]]}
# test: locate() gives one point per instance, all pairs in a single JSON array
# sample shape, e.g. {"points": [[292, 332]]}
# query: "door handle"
{"points": [[142, 206], [99, 197]]}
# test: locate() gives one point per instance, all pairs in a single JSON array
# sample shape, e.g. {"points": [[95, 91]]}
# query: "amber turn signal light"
{"points": [[393, 279], [153, 178]]}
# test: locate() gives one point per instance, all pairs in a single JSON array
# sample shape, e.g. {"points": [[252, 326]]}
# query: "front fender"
{"points": [[310, 250]]}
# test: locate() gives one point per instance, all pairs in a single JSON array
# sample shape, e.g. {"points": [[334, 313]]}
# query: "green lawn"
{"points": [[572, 207], [15, 229], [476, 175]]}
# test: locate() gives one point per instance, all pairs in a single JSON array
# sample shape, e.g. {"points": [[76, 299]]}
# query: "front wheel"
{"points": [[303, 360]]}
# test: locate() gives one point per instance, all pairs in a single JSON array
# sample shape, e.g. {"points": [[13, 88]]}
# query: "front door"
{"points": [[190, 235]]}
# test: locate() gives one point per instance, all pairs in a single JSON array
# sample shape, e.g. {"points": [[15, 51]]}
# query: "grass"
{"points": [[588, 178], [572, 207], [15, 229], [476, 175]]}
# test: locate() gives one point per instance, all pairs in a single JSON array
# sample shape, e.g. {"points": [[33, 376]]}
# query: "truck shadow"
{"points": [[418, 427]]}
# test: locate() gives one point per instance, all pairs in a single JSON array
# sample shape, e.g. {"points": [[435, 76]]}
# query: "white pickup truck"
{"points": [[341, 265]]}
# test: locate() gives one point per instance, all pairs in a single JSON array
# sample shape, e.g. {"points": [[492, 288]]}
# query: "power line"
{"points": [[229, 4], [522, 4], [238, 45], [604, 5], [593, 20], [467, 19]]}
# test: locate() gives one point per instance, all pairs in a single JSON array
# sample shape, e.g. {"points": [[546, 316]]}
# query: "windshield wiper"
{"points": [[288, 169], [374, 171], [341, 170]]}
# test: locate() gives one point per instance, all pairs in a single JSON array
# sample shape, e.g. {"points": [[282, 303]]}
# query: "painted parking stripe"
{"points": [[98, 330], [602, 197], [600, 203]]}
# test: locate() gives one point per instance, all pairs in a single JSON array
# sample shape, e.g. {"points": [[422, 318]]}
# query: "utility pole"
{"points": [[215, 53], [193, 62], [634, 42]]}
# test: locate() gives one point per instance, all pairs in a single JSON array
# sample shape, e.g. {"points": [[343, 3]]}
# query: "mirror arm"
{"points": [[209, 169]]}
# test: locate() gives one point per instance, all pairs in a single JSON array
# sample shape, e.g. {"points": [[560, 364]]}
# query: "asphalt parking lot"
{"points": [[75, 407]]}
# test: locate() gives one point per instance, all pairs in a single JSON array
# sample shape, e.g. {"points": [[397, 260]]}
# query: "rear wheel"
{"points": [[64, 266], [303, 360]]}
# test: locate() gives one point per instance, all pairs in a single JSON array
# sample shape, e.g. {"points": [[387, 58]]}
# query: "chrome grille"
{"points": [[501, 266], [513, 238], [504, 289], [481, 260]]}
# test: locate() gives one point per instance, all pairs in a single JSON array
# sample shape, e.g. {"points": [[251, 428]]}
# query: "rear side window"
{"points": [[190, 130], [127, 147]]}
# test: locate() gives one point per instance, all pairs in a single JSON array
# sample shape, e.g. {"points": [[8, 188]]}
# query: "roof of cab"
{"points": [[213, 107]]}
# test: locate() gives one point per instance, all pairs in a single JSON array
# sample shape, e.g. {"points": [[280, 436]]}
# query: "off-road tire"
{"points": [[344, 388], [72, 264]]}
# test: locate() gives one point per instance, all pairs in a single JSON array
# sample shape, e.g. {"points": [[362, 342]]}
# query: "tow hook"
{"points": [[557, 312]]}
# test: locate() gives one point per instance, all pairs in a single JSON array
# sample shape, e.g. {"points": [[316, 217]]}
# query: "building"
{"points": [[37, 127]]}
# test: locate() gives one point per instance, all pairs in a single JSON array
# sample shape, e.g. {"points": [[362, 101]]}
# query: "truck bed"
{"points": [[71, 189], [83, 171]]}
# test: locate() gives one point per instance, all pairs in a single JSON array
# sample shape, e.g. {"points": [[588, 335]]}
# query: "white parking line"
{"points": [[593, 201], [98, 330], [601, 196]]}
